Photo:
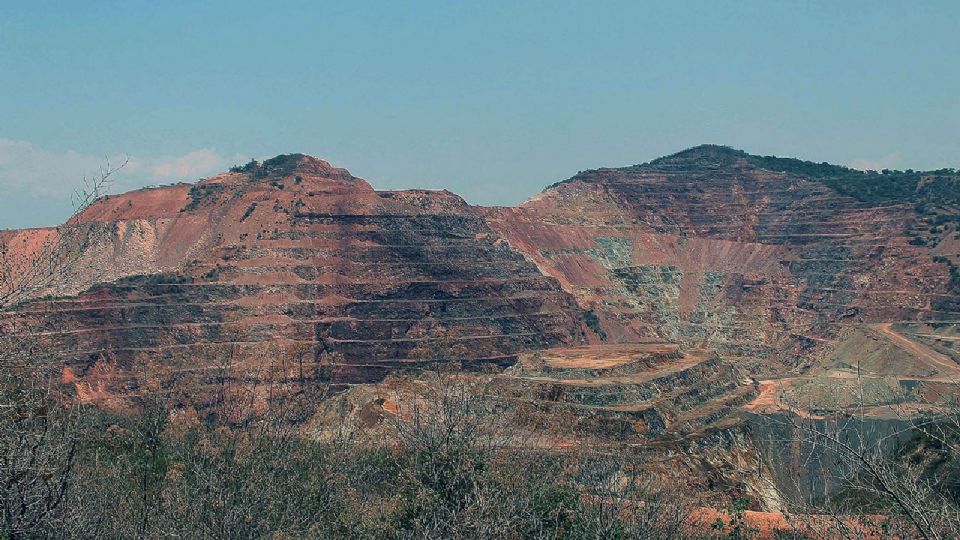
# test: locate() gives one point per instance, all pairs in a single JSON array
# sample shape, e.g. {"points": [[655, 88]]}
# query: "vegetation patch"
{"points": [[248, 212], [203, 195]]}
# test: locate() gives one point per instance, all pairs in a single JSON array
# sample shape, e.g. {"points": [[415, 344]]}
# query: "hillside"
{"points": [[675, 304]]}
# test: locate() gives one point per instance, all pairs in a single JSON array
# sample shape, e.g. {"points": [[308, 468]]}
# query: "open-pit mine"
{"points": [[680, 308]]}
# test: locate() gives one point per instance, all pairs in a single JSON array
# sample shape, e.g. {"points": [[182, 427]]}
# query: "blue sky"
{"points": [[493, 100]]}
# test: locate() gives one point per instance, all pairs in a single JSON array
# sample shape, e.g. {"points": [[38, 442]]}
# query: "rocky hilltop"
{"points": [[293, 253], [764, 259], [811, 278], [686, 297]]}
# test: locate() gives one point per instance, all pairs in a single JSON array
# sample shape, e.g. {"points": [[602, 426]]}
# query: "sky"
{"points": [[492, 100]]}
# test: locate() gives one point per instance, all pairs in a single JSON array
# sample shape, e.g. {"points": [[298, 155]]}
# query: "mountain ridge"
{"points": [[940, 186], [835, 175], [679, 307], [692, 248]]}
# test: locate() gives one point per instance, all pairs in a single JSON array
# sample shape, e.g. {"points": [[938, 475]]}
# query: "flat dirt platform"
{"points": [[602, 356]]}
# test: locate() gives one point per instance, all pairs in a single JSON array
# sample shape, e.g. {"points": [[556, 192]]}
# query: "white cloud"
{"points": [[889, 161], [191, 165], [36, 184], [24, 168], [29, 170]]}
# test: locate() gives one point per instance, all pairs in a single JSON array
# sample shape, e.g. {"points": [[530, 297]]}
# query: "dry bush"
{"points": [[467, 471], [865, 477], [456, 463], [40, 429]]}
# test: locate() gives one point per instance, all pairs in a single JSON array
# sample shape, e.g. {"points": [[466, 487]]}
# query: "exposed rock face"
{"points": [[679, 308], [837, 288], [742, 266], [707, 249], [296, 259]]}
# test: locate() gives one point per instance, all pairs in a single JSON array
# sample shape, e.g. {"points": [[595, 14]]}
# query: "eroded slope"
{"points": [[294, 262], [708, 249]]}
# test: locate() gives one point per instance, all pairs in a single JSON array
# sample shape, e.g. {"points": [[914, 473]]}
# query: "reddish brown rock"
{"points": [[297, 266], [294, 261]]}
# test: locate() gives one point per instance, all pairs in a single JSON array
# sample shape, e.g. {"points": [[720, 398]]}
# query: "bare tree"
{"points": [[38, 425], [889, 471], [469, 470], [47, 267]]}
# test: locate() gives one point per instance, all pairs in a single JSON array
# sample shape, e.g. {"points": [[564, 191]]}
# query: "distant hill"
{"points": [[669, 301]]}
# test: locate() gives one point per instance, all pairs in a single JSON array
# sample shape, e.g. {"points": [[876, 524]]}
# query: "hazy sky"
{"points": [[493, 100]]}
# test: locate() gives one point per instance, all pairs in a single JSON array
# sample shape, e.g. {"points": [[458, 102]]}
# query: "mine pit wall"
{"points": [[803, 471], [755, 265], [102, 251], [351, 294], [731, 297]]}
